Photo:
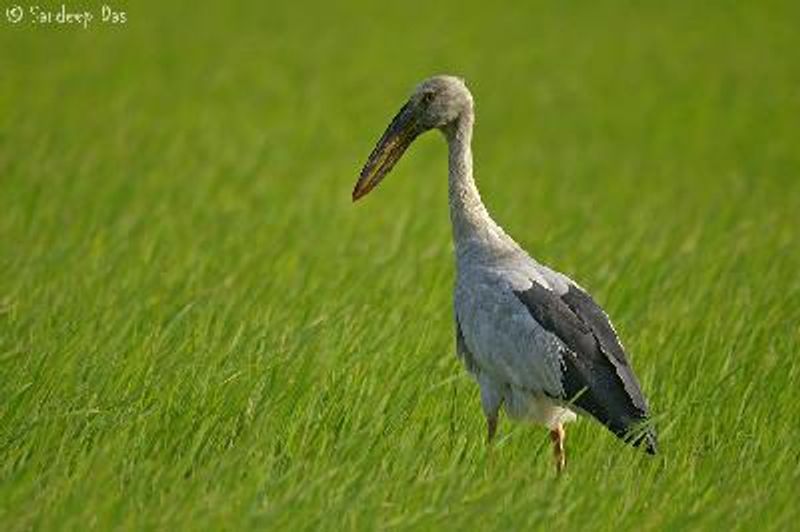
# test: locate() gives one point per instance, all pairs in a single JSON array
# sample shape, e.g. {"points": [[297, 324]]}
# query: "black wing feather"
{"points": [[597, 377]]}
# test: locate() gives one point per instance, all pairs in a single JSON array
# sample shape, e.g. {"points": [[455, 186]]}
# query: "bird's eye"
{"points": [[427, 97]]}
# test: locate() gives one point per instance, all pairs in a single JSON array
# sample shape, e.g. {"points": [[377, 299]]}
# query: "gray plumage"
{"points": [[536, 343]]}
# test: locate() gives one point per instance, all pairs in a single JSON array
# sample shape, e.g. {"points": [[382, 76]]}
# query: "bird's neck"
{"points": [[468, 215]]}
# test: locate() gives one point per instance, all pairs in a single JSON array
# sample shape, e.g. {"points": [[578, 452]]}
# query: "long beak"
{"points": [[398, 136]]}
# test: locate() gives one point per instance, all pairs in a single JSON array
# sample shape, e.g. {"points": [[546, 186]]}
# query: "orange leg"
{"points": [[558, 435]]}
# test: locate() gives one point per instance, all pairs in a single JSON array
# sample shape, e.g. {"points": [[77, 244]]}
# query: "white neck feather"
{"points": [[470, 219]]}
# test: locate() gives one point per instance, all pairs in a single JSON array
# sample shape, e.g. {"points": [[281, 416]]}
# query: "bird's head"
{"points": [[436, 103]]}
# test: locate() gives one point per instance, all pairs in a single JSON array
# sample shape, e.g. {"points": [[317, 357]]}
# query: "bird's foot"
{"points": [[491, 429], [557, 436]]}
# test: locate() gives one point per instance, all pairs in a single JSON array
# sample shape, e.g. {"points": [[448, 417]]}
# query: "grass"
{"points": [[199, 331]]}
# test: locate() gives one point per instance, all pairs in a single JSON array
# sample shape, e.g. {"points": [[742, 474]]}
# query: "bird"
{"points": [[537, 344]]}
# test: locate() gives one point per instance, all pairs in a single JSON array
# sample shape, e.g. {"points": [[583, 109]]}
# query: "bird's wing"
{"points": [[596, 375], [500, 340], [544, 334]]}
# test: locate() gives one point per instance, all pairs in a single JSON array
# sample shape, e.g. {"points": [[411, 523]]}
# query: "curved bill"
{"points": [[398, 136]]}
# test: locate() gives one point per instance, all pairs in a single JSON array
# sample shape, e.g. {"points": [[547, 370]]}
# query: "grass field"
{"points": [[198, 330]]}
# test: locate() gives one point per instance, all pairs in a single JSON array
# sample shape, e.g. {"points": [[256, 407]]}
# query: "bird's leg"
{"points": [[558, 435], [491, 428]]}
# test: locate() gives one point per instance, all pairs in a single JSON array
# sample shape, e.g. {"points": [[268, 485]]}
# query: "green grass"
{"points": [[198, 330]]}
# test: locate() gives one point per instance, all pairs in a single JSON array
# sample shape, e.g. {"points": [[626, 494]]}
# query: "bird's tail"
{"points": [[638, 432]]}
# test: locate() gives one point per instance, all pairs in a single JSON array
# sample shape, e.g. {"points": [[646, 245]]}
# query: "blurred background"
{"points": [[199, 330]]}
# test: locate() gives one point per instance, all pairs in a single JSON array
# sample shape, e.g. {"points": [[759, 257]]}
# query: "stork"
{"points": [[537, 344]]}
